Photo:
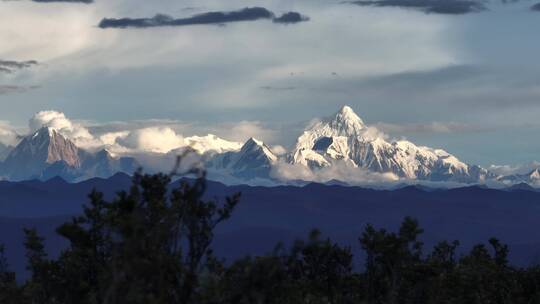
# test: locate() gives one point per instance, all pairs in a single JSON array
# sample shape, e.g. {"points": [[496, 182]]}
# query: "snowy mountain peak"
{"points": [[345, 138], [212, 143], [253, 145], [346, 123], [532, 177], [347, 114], [254, 160], [252, 142], [39, 150], [43, 132], [49, 146]]}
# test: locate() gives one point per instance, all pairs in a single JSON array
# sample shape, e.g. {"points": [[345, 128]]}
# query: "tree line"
{"points": [[152, 244]]}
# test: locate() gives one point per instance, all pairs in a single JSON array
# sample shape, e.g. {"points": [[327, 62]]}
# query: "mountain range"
{"points": [[268, 215], [46, 154], [345, 138], [336, 143]]}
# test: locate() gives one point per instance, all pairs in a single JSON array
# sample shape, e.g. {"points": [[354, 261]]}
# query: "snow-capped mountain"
{"points": [[337, 149], [47, 153], [345, 138], [253, 160], [103, 164], [38, 151], [212, 144], [531, 178]]}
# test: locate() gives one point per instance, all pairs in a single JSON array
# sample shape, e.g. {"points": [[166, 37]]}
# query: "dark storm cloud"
{"points": [[246, 14], [536, 7], [452, 7], [291, 17], [10, 66]]}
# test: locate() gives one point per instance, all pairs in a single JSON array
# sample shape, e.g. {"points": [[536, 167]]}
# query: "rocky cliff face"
{"points": [[47, 153], [38, 151]]}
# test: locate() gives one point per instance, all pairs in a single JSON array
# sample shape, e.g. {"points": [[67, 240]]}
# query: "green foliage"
{"points": [[151, 244]]}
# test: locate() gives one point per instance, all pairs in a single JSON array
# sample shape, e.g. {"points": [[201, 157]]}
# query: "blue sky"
{"points": [[467, 83]]}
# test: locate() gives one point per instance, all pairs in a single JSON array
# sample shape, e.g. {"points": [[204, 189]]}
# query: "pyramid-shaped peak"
{"points": [[104, 154], [47, 133], [346, 113], [346, 110], [254, 141], [52, 145], [345, 123], [252, 144], [44, 132]]}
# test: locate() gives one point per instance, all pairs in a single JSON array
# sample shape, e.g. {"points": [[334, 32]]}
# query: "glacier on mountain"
{"points": [[345, 138], [340, 148]]}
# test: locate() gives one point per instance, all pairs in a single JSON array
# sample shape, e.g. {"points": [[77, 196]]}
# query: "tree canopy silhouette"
{"points": [[152, 244]]}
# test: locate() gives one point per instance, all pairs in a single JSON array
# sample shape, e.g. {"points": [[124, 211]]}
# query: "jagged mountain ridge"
{"points": [[46, 153], [531, 178], [342, 139], [345, 137], [38, 151], [253, 160], [212, 144]]}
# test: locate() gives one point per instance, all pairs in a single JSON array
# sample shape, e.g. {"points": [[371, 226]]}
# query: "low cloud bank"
{"points": [[339, 171], [504, 170], [156, 139], [8, 136]]}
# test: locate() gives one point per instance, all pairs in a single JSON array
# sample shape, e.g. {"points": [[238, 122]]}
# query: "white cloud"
{"points": [[153, 135], [156, 138], [278, 150], [8, 136], [241, 131], [111, 138], [235, 61], [338, 171], [373, 133], [514, 169], [59, 122], [153, 139]]}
